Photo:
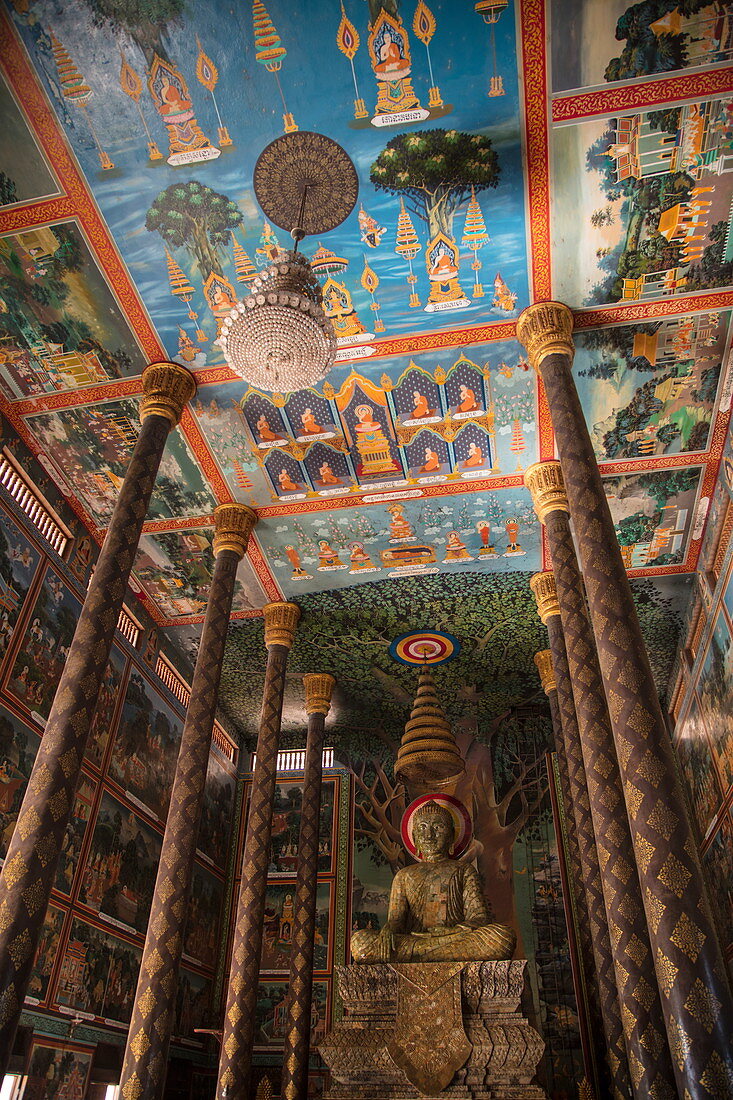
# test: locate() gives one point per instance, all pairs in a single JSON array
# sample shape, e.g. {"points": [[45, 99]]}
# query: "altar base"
{"points": [[491, 1042]]}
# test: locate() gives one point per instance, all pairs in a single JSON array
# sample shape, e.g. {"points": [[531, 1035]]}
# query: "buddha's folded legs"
{"points": [[491, 942]]}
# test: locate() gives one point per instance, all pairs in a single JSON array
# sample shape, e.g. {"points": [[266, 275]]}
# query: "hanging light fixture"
{"points": [[278, 338]]}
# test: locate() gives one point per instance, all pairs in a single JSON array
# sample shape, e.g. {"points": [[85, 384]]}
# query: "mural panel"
{"points": [[216, 813], [654, 199], [45, 646], [175, 569], [278, 929], [653, 514], [119, 876], [46, 955], [607, 40], [146, 746], [18, 563], [286, 827], [193, 1004], [718, 863], [18, 747], [715, 687], [98, 973], [271, 1018], [201, 937], [102, 723], [474, 411], [696, 762], [57, 1073], [61, 327], [485, 532], [91, 447], [423, 250], [75, 833], [651, 389], [24, 174]]}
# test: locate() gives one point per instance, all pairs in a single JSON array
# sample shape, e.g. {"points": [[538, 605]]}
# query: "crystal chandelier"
{"points": [[279, 338]]}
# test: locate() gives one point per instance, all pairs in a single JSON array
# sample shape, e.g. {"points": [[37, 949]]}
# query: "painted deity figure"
{"points": [[399, 527], [512, 534], [327, 557], [365, 423], [389, 51], [455, 548], [294, 558], [437, 911]]}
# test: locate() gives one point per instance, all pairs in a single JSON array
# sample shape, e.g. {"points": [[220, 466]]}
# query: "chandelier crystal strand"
{"points": [[278, 338]]}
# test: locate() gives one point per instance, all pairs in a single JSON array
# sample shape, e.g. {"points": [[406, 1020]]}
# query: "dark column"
{"points": [[318, 689], [595, 933], [235, 1063], [642, 1019], [30, 867], [146, 1054], [696, 996], [585, 978]]}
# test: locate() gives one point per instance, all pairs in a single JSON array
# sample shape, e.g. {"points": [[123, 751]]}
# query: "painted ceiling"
{"points": [[507, 151]]}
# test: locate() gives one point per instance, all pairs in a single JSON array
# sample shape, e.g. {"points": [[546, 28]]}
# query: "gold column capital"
{"points": [[546, 328], [318, 689], [545, 482], [167, 388], [543, 660], [545, 593], [281, 620], [233, 525]]}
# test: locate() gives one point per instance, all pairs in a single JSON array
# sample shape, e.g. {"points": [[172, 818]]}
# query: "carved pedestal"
{"points": [[426, 1016]]}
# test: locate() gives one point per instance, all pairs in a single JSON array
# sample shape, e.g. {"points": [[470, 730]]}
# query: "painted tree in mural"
{"points": [[7, 190], [435, 171], [145, 21], [193, 216], [650, 50]]}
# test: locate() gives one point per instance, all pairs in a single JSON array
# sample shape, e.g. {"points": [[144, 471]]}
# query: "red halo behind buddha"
{"points": [[462, 824]]}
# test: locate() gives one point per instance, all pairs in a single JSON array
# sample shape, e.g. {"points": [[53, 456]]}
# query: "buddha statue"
{"points": [[437, 911]]}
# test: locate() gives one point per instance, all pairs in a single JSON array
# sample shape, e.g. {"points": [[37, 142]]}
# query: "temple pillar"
{"points": [[318, 689], [235, 1062], [641, 1016], [146, 1053], [604, 1067], [30, 866], [696, 996]]}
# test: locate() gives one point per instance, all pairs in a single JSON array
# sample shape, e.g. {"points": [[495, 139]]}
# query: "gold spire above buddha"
{"points": [[428, 755]]}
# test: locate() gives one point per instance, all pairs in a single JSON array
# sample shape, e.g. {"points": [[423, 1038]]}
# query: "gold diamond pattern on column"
{"points": [[146, 1054], [239, 1017], [642, 742], [30, 867], [318, 690]]}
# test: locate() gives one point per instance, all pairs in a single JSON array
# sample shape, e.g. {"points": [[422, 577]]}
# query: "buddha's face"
{"points": [[433, 836]]}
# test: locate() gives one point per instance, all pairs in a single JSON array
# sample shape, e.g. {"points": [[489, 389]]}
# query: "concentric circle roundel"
{"points": [[462, 824], [430, 647]]}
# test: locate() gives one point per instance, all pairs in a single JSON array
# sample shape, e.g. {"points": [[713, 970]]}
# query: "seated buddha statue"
{"points": [[437, 911]]}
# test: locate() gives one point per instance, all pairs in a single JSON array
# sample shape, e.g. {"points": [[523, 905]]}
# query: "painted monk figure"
{"points": [[286, 482], [264, 430], [308, 420], [327, 477], [475, 456], [432, 461], [437, 911], [468, 401], [420, 406]]}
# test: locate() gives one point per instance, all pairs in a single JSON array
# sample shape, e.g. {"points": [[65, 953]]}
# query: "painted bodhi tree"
{"points": [[195, 217], [435, 171]]}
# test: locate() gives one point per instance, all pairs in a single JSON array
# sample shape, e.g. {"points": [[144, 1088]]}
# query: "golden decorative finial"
{"points": [[318, 689], [545, 482], [167, 387], [546, 328], [428, 754], [543, 660], [281, 620], [545, 593], [233, 525]]}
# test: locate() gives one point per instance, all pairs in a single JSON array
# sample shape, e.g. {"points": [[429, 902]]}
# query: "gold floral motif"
{"points": [[545, 328]]}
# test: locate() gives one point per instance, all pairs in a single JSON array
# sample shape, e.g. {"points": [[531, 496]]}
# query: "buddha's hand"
{"points": [[384, 944]]}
